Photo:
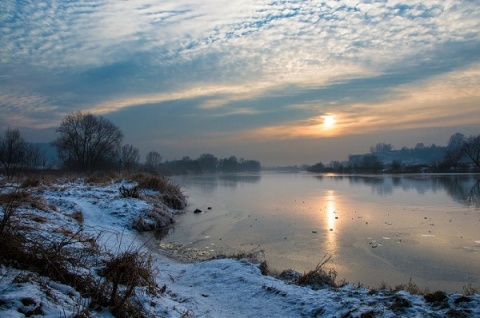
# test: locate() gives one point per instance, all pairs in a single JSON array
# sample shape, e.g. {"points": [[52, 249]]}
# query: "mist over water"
{"points": [[377, 228]]}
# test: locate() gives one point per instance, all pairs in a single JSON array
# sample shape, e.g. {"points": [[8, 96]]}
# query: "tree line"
{"points": [[461, 154], [85, 142]]}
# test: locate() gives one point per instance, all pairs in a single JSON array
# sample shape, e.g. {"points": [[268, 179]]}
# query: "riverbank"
{"points": [[93, 223]]}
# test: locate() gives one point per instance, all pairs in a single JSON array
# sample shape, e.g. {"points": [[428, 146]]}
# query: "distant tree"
{"points": [[318, 167], [86, 141], [370, 163], [12, 152], [16, 154], [336, 166], [153, 160], [420, 146], [381, 147], [229, 164], [472, 149], [208, 162], [250, 165], [130, 156], [455, 151], [396, 166]]}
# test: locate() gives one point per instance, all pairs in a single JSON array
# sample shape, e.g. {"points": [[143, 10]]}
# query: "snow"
{"points": [[215, 288]]}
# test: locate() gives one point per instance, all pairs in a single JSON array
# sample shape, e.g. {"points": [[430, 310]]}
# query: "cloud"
{"points": [[445, 101], [363, 61]]}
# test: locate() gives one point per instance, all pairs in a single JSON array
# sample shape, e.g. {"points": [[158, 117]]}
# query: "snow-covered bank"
{"points": [[216, 288]]}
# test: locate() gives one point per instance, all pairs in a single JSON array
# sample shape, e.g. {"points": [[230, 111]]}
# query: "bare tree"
{"points": [[455, 150], [85, 141], [12, 152], [130, 156], [472, 149], [153, 160], [16, 154]]}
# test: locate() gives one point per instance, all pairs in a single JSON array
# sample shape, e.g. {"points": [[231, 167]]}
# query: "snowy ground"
{"points": [[216, 288]]}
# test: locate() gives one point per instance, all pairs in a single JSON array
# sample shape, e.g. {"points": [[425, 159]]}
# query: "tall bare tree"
{"points": [[455, 150], [130, 156], [153, 160], [16, 154], [12, 151], [85, 141], [472, 149]]}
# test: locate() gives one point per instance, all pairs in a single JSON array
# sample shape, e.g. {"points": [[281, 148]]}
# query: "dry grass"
{"points": [[123, 273], [10, 202], [172, 194], [77, 216], [30, 182], [469, 290], [412, 288], [67, 256], [253, 256], [129, 192], [319, 277], [101, 177]]}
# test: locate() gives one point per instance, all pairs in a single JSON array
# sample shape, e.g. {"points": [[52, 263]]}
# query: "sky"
{"points": [[283, 82]]}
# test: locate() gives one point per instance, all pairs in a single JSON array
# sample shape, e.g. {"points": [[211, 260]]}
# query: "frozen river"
{"points": [[377, 228]]}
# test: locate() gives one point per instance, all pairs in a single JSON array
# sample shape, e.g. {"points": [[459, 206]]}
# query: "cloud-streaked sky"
{"points": [[256, 79]]}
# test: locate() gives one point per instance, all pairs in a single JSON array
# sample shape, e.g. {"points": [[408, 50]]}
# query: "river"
{"points": [[377, 228]]}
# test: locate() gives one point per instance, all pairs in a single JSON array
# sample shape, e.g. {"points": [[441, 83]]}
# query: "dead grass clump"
{"points": [[319, 277], [469, 290], [35, 218], [39, 204], [264, 268], [399, 303], [101, 178], [172, 194], [174, 200], [436, 297], [30, 182], [10, 202], [412, 288], [254, 256], [147, 181], [129, 192], [124, 272], [77, 216]]}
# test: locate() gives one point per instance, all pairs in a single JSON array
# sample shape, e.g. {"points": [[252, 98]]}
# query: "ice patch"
{"points": [[386, 238], [478, 242], [428, 235]]}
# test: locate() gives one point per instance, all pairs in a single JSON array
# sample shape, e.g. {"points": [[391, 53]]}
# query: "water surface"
{"points": [[377, 228]]}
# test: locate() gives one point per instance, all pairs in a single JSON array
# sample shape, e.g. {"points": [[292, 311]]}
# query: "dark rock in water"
{"points": [[209, 208], [197, 211]]}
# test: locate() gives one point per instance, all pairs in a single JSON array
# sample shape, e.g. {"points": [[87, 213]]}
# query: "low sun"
{"points": [[328, 121]]}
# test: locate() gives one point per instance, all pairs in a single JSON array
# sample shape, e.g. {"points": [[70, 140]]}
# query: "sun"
{"points": [[328, 121]]}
